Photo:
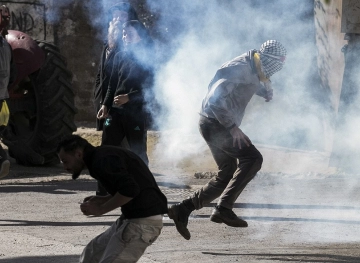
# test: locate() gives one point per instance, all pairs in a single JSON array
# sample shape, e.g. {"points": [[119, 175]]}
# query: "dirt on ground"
{"points": [[298, 210]]}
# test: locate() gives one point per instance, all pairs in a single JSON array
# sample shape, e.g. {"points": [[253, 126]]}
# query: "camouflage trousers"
{"points": [[125, 241]]}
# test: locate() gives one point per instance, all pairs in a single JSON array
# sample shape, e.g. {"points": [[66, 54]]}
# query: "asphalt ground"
{"points": [[292, 218], [297, 208]]}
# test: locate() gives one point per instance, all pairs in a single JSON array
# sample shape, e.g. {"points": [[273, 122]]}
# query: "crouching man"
{"points": [[130, 185], [221, 114]]}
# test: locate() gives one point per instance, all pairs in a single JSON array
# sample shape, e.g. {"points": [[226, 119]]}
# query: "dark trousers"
{"points": [[3, 155], [133, 128], [237, 167]]}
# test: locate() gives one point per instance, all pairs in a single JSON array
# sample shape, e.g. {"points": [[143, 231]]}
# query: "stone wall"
{"points": [[329, 41]]}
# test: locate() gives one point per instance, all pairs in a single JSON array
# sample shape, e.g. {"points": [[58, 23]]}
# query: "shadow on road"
{"points": [[52, 187], [281, 206], [12, 222], [295, 257], [4, 222], [43, 259], [294, 219], [66, 186]]}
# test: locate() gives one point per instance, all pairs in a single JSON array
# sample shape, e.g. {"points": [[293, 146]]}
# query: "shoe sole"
{"points": [[172, 216], [5, 168], [219, 220], [215, 219]]}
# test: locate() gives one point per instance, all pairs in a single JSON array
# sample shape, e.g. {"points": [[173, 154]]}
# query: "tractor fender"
{"points": [[28, 56]]}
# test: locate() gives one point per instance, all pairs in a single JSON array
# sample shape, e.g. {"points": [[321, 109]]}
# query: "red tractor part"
{"points": [[28, 56], [41, 102]]}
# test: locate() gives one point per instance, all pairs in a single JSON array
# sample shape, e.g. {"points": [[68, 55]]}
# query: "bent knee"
{"points": [[257, 160]]}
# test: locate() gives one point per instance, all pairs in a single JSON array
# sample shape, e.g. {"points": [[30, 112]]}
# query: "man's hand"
{"points": [[90, 208], [121, 99], [94, 205], [269, 95], [239, 136], [103, 112]]}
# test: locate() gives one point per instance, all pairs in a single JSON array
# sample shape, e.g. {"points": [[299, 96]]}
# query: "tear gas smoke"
{"points": [[217, 31], [201, 36]]}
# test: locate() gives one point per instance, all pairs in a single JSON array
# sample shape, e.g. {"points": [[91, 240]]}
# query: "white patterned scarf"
{"points": [[272, 57]]}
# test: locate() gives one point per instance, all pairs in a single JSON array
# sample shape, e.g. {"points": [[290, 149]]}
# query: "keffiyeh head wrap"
{"points": [[272, 57]]}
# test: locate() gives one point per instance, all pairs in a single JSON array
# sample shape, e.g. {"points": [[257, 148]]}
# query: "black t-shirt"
{"points": [[122, 171]]}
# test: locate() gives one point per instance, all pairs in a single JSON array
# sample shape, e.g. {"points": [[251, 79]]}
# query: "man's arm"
{"points": [[94, 208], [265, 91], [114, 171]]}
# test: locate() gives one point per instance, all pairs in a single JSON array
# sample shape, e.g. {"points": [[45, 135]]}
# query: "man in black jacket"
{"points": [[125, 105], [118, 14], [130, 185]]}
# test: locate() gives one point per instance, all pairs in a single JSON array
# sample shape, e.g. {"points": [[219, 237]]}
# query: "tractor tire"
{"points": [[44, 113]]}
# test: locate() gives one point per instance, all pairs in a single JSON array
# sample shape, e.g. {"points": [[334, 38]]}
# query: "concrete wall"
{"points": [[329, 41], [350, 20], [80, 42], [30, 17], [330, 59]]}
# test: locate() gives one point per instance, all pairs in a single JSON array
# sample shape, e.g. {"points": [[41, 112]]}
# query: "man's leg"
{"points": [[136, 133], [113, 134], [93, 252], [4, 163], [249, 163], [213, 189], [130, 241], [220, 142], [113, 131]]}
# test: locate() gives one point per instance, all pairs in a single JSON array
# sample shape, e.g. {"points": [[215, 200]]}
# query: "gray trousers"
{"points": [[237, 167], [125, 241]]}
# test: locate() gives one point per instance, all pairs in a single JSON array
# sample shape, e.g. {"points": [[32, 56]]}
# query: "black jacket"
{"points": [[102, 81], [132, 74], [122, 171]]}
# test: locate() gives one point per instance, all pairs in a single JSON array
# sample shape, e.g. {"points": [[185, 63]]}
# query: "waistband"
{"points": [[148, 221], [205, 118], [155, 217]]}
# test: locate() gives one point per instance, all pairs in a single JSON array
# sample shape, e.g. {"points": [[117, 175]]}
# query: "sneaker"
{"points": [[180, 214], [227, 216], [5, 168]]}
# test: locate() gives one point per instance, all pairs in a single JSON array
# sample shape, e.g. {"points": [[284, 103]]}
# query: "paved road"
{"points": [[294, 218]]}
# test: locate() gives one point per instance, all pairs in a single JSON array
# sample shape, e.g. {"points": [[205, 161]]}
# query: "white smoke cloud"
{"points": [[217, 31]]}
